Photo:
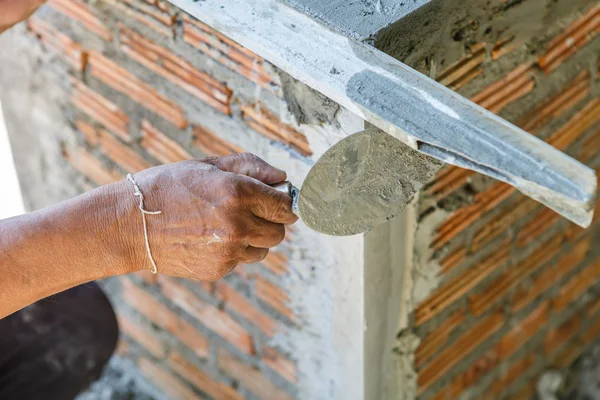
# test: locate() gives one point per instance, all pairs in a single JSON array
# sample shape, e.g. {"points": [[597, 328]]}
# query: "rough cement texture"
{"points": [[440, 32], [308, 106], [358, 19], [361, 182]]}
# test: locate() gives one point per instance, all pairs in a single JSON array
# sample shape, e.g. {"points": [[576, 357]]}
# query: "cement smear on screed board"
{"points": [[362, 182]]}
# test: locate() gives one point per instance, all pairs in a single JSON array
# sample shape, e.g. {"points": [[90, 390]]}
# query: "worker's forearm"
{"points": [[77, 241], [212, 218]]}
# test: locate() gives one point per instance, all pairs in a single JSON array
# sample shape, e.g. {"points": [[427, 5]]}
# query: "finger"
{"points": [[272, 205], [265, 234], [253, 255], [16, 11], [250, 165]]}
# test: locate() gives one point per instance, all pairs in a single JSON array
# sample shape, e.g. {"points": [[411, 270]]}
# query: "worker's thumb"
{"points": [[250, 165]]}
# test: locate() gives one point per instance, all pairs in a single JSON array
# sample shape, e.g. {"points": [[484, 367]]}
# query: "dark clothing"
{"points": [[55, 348]]}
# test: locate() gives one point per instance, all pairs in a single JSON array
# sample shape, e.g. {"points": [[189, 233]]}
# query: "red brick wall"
{"points": [[518, 288], [147, 85], [141, 77]]}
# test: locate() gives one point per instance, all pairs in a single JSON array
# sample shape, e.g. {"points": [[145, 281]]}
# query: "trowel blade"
{"points": [[361, 182]]}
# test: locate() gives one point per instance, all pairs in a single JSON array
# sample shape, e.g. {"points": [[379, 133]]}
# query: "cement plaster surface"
{"points": [[358, 19]]}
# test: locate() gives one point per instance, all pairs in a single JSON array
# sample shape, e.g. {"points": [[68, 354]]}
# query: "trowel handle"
{"points": [[290, 190]]}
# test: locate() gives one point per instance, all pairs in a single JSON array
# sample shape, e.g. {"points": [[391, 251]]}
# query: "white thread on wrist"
{"points": [[138, 193]]}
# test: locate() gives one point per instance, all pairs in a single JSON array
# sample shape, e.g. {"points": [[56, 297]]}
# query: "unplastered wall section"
{"points": [[93, 90], [503, 288]]}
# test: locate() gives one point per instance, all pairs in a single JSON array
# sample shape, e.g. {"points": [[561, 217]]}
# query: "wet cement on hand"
{"points": [[363, 181]]}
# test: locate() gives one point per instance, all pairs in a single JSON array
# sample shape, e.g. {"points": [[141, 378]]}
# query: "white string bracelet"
{"points": [[138, 193]]}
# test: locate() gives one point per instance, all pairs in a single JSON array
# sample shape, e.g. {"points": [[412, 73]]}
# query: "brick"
{"points": [[478, 369], [273, 296], [560, 335], [448, 180], [61, 43], [502, 350], [121, 154], [504, 47], [464, 70], [511, 214], [147, 277], [459, 286], [280, 364], [113, 148], [525, 329], [548, 278], [160, 146], [276, 262], [226, 52], [444, 394], [159, 377], [453, 354], [262, 121], [576, 36], [514, 371], [158, 13], [243, 307], [573, 93], [566, 357], [130, 85], [88, 131], [83, 14], [122, 348], [592, 332], [211, 317], [510, 88], [155, 19], [175, 69], [593, 308], [250, 377], [142, 336], [453, 259], [90, 166], [577, 286], [527, 393], [162, 316], [434, 341], [101, 110], [466, 216], [581, 122], [200, 379], [211, 144], [590, 146], [513, 276]]}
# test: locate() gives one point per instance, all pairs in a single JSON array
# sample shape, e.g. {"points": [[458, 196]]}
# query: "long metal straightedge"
{"points": [[406, 104]]}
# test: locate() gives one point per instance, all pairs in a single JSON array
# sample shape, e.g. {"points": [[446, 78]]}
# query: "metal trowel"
{"points": [[361, 182]]}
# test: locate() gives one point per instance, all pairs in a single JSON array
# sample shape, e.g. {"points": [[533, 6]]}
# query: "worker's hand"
{"points": [[15, 11], [216, 213]]}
